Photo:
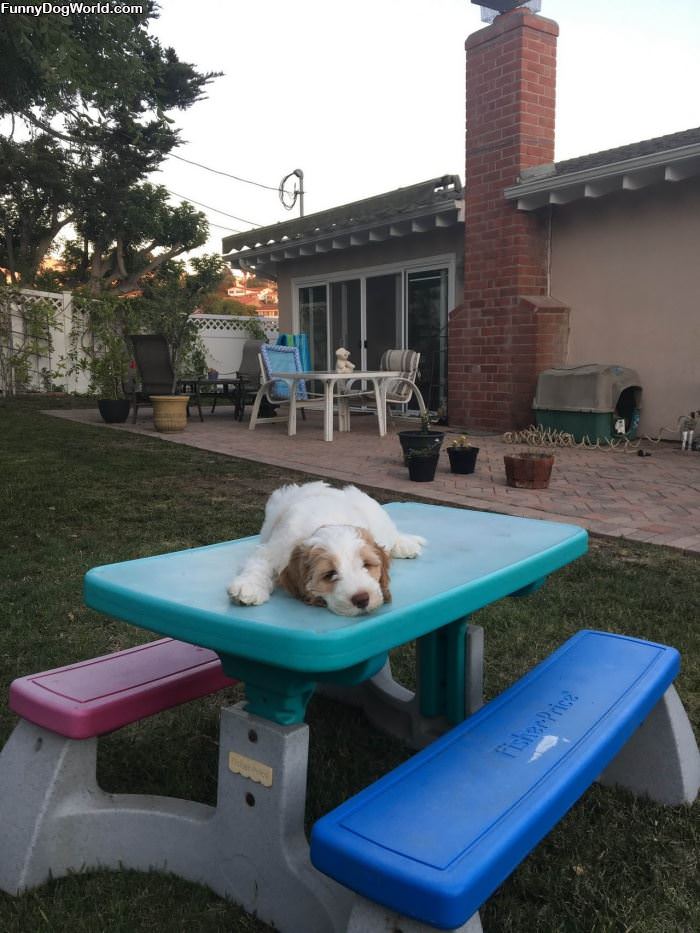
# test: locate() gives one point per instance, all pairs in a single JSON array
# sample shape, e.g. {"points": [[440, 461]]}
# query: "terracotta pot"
{"points": [[528, 471], [169, 412]]}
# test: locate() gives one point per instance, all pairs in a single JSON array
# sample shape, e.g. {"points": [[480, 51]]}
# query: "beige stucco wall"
{"points": [[403, 249], [628, 265]]}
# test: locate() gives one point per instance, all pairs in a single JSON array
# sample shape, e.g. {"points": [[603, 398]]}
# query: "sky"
{"points": [[369, 96]]}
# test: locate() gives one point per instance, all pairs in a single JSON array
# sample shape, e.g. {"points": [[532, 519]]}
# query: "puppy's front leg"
{"points": [[407, 546], [254, 584]]}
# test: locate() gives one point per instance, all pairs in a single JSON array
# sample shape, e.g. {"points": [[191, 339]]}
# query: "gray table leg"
{"points": [[250, 848]]}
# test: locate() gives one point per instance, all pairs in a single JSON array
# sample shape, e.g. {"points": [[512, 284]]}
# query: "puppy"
{"points": [[328, 547]]}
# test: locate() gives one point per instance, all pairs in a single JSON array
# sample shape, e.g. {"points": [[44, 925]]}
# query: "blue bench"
{"points": [[434, 838]]}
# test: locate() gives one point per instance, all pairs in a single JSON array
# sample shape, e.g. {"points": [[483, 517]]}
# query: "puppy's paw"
{"points": [[247, 592], [408, 546]]}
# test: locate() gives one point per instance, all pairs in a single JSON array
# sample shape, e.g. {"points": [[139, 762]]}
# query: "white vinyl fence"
{"points": [[223, 336], [35, 336], [34, 331]]}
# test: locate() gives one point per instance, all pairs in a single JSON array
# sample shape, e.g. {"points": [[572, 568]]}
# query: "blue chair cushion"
{"points": [[278, 359]]}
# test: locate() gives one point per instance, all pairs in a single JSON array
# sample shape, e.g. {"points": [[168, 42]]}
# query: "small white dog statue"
{"points": [[342, 361], [328, 547]]}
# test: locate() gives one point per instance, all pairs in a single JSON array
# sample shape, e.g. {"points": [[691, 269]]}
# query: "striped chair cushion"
{"points": [[405, 362]]}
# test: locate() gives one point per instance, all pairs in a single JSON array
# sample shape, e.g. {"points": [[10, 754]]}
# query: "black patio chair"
{"points": [[155, 367], [248, 376]]}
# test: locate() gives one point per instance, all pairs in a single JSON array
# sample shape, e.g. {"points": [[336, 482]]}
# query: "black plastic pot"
{"points": [[420, 440], [462, 459], [422, 469], [114, 410]]}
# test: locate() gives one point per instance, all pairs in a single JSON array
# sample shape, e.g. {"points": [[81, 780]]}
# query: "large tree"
{"points": [[85, 101]]}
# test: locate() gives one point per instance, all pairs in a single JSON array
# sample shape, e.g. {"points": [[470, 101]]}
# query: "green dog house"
{"points": [[589, 401]]}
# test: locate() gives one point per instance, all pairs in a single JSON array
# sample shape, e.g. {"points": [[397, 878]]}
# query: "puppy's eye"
{"points": [[330, 576], [369, 565]]}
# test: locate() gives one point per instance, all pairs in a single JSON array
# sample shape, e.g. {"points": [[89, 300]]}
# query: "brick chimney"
{"points": [[507, 329]]}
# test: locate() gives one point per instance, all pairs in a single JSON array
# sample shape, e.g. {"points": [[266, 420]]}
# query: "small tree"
{"points": [[169, 298], [98, 343]]}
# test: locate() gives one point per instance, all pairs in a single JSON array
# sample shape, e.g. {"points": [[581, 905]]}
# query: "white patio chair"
{"points": [[280, 359], [400, 389]]}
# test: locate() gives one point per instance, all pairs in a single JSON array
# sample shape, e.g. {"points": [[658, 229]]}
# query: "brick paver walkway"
{"points": [[654, 499]]}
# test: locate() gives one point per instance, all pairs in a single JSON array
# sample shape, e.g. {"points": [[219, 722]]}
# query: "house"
{"points": [[374, 274], [535, 264]]}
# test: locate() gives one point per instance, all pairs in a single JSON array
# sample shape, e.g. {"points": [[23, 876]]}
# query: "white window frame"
{"points": [[421, 264]]}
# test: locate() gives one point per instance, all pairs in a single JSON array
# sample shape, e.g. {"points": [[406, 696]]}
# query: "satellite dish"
{"points": [[296, 193]]}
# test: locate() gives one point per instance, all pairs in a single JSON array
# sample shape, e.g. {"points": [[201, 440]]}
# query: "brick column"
{"points": [[493, 336]]}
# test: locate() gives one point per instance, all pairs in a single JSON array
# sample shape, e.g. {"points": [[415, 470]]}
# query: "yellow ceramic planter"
{"points": [[169, 412]]}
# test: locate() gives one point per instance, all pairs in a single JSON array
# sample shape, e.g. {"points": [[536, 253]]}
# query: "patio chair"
{"points": [[155, 367], [399, 390], [276, 392], [248, 374]]}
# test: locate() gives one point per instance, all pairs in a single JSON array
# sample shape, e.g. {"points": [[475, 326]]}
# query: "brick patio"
{"points": [[654, 499]]}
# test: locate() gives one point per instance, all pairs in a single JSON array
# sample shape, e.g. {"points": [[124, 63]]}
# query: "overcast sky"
{"points": [[368, 96]]}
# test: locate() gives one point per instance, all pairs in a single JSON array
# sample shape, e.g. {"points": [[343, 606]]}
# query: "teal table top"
{"points": [[471, 559]]}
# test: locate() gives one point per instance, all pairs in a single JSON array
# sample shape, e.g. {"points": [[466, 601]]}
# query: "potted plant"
{"points": [[462, 455], [422, 463], [530, 469], [166, 306], [108, 371], [96, 346], [423, 439]]}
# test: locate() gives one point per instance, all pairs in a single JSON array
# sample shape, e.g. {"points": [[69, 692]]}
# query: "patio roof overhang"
{"points": [[342, 229], [545, 185]]}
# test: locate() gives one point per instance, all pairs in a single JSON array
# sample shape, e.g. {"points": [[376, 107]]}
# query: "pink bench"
{"points": [[91, 698]]}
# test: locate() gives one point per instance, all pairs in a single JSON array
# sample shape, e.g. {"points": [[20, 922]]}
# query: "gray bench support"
{"points": [[661, 761], [250, 848], [368, 917]]}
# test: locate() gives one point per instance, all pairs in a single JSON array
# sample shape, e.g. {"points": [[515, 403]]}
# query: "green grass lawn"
{"points": [[74, 496]]}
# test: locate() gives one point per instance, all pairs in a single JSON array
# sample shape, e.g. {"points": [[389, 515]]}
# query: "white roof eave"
{"points": [[420, 221], [631, 174]]}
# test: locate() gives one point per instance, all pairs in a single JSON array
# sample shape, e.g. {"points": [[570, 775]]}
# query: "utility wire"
{"points": [[246, 181], [210, 208]]}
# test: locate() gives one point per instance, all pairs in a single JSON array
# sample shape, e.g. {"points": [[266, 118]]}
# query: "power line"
{"points": [[246, 181], [210, 208]]}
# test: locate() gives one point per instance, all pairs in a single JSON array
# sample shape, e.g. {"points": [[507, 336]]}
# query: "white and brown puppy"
{"points": [[328, 547]]}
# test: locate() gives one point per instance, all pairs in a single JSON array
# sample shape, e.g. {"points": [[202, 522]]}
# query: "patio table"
{"points": [[333, 384], [228, 387], [251, 847]]}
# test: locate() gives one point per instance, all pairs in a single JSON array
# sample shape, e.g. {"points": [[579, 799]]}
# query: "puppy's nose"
{"points": [[361, 600]]}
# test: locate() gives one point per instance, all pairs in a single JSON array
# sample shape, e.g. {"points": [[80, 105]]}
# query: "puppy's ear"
{"points": [[385, 559], [295, 576]]}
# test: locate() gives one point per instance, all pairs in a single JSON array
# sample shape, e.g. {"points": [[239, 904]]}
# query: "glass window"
{"points": [[313, 321], [426, 313], [383, 303]]}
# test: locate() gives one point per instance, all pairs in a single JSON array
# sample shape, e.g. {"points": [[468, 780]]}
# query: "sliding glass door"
{"points": [[383, 317], [313, 321], [426, 317], [346, 319], [378, 311]]}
